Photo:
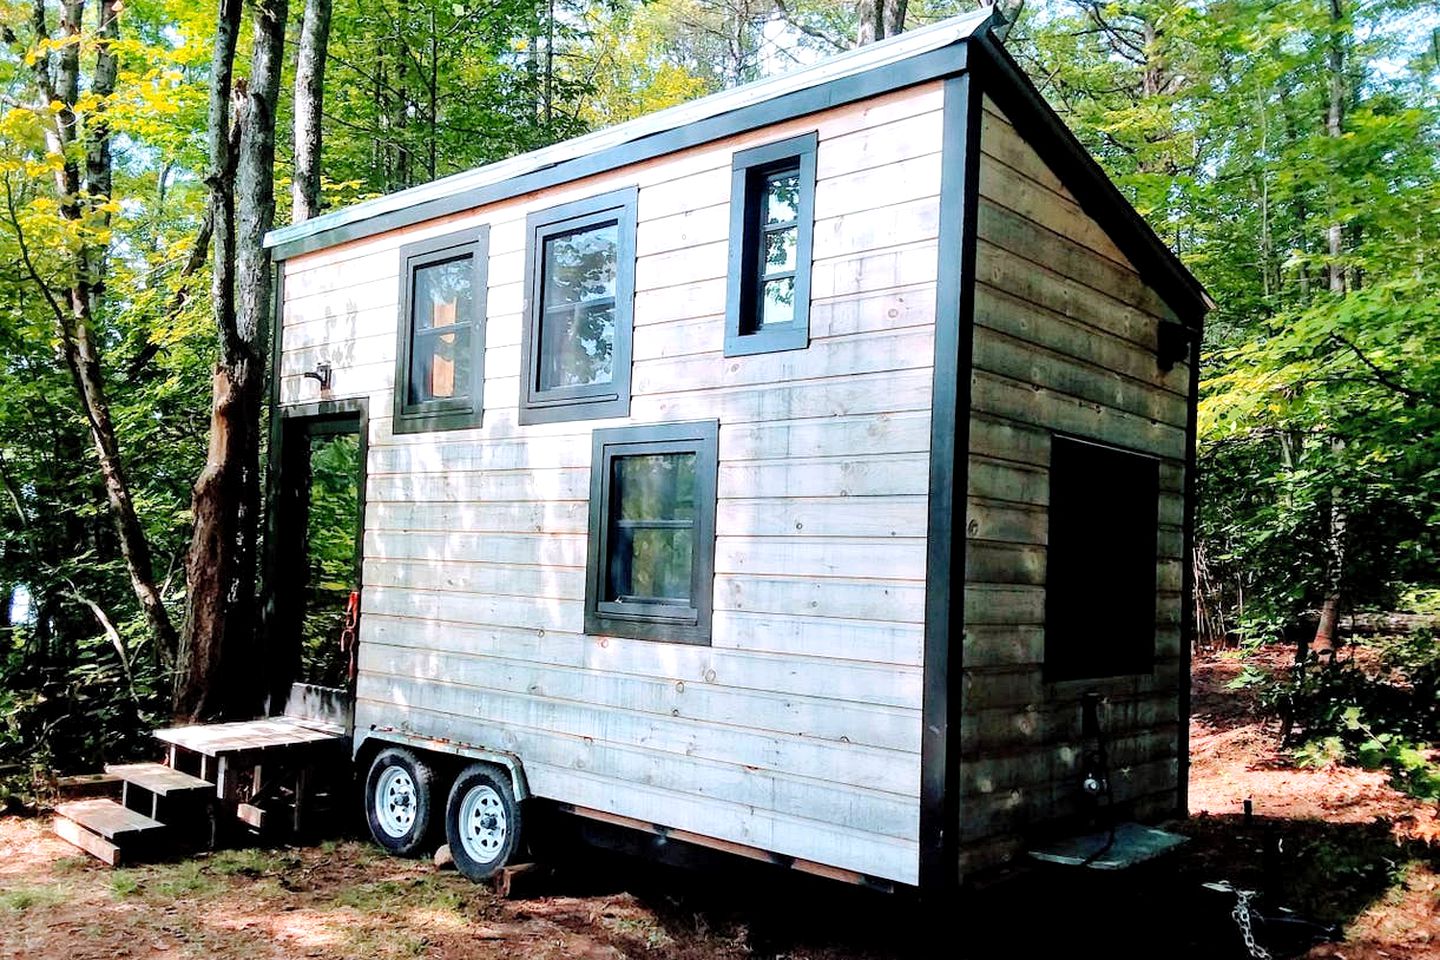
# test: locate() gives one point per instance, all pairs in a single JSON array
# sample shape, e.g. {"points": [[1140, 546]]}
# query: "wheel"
{"points": [[482, 822], [397, 800]]}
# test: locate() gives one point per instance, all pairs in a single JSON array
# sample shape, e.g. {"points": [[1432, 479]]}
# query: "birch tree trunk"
{"points": [[75, 314], [309, 101], [880, 19], [218, 678], [1324, 642]]}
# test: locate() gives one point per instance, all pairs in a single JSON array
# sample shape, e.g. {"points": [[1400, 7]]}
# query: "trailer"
{"points": [[805, 471]]}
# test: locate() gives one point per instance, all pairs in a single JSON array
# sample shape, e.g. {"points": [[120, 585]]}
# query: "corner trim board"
{"points": [[1187, 584], [949, 459]]}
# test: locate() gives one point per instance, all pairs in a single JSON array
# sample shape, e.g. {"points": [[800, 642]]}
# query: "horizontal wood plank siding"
{"points": [[798, 730], [1065, 336]]}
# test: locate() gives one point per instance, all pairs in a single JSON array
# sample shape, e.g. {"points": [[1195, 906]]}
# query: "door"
{"points": [[315, 542]]}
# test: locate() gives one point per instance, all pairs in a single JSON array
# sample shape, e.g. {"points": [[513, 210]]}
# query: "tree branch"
{"points": [[61, 316], [1385, 378]]}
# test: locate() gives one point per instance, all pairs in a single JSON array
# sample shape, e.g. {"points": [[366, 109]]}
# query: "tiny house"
{"points": [[805, 471]]}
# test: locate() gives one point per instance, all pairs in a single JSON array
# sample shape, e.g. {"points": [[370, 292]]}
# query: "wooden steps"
{"points": [[159, 779], [107, 830], [271, 773]]}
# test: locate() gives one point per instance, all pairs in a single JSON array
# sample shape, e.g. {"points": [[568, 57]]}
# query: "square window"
{"points": [[1101, 561], [651, 562], [580, 269], [440, 354], [772, 204]]}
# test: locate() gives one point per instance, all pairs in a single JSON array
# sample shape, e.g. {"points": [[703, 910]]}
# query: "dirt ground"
{"points": [[1339, 847]]}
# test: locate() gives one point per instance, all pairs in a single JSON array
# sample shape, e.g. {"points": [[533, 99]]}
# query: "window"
{"points": [[1100, 574], [439, 371], [651, 562], [772, 222], [580, 278]]}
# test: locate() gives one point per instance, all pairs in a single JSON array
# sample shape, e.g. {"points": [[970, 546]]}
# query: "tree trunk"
{"points": [[218, 679], [309, 101], [1334, 123], [880, 19], [74, 318], [1335, 540]]}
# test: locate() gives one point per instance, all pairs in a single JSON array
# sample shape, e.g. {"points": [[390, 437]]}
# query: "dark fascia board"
{"points": [[1005, 82], [933, 65]]}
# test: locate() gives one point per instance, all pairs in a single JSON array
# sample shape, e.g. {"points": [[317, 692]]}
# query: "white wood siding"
{"points": [[1065, 336], [798, 730]]}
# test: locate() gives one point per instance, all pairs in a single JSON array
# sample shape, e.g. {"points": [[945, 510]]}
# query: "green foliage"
{"points": [[332, 527], [1386, 719], [1320, 440]]}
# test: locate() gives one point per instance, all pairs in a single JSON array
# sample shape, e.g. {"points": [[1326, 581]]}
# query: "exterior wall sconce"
{"points": [[322, 374]]}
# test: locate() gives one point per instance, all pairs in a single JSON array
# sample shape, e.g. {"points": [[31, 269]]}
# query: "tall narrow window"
{"points": [[1101, 567], [772, 220], [439, 372], [580, 266], [652, 532]]}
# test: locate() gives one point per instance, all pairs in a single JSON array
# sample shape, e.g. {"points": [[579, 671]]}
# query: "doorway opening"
{"points": [[317, 545]]}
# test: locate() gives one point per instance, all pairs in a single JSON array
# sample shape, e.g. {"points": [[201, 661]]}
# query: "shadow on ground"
{"points": [[1312, 879]]}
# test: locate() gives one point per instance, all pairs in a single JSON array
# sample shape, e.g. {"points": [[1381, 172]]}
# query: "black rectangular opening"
{"points": [[1100, 576]]}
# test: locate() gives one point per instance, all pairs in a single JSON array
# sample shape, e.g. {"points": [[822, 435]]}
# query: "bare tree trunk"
{"points": [[880, 19], [218, 679], [1335, 540], [309, 101], [74, 318]]}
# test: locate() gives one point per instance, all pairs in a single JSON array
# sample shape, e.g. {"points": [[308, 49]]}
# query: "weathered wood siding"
{"points": [[798, 730], [1065, 336]]}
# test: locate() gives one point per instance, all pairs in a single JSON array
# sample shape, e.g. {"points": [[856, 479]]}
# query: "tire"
{"points": [[398, 804], [483, 822]]}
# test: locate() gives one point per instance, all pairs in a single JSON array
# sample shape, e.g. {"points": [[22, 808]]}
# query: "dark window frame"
{"points": [[594, 401], [1067, 660], [750, 169], [689, 624], [451, 413]]}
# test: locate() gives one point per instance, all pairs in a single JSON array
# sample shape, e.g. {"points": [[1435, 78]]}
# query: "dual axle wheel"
{"points": [[482, 818]]}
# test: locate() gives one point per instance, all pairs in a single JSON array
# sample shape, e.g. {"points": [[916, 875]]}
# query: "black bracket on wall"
{"points": [[1172, 344]]}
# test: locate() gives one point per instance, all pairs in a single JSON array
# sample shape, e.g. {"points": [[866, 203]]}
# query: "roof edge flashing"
{"points": [[350, 222]]}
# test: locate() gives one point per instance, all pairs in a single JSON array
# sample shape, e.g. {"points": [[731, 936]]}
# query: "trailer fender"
{"points": [[503, 759]]}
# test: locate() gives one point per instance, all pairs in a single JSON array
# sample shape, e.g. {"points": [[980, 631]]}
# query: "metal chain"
{"points": [[1242, 917], [1241, 913]]}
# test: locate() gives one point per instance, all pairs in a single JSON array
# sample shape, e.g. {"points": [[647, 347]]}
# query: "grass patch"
{"points": [[124, 883], [645, 930], [253, 862], [388, 897], [67, 865], [22, 899], [188, 879]]}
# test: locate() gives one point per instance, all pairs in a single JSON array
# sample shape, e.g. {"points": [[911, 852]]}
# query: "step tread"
{"points": [[108, 819], [158, 778]]}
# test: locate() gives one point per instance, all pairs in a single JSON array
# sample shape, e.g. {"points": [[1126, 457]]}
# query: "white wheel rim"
{"points": [[396, 800], [483, 824]]}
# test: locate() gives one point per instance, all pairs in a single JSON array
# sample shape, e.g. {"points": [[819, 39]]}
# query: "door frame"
{"points": [[280, 624]]}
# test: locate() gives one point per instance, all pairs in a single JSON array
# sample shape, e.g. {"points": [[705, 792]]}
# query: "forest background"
{"points": [[1288, 150]]}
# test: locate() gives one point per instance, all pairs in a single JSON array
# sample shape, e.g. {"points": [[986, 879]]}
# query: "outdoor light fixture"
{"points": [[322, 374]]}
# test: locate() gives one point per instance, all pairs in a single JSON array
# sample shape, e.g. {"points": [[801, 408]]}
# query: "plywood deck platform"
{"points": [[251, 736]]}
